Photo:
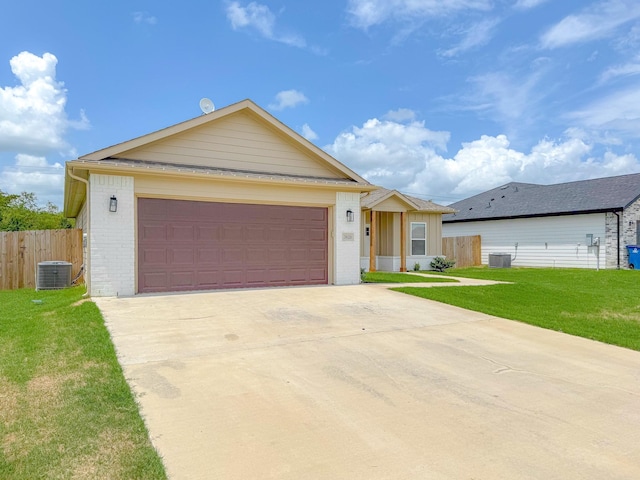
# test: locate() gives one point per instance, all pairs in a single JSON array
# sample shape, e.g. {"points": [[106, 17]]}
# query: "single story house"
{"points": [[232, 198], [399, 232], [584, 224]]}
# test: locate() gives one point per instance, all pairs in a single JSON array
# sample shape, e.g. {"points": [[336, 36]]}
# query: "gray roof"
{"points": [[515, 200], [370, 199], [224, 172]]}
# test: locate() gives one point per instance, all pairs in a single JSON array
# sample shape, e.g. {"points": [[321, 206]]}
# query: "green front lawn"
{"points": [[602, 305], [388, 277], [66, 410]]}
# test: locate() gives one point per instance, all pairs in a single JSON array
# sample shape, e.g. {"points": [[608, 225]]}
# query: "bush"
{"points": [[440, 264], [416, 267]]}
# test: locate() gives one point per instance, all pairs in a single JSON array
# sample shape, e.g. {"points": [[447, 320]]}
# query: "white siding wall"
{"points": [[542, 242], [346, 239], [112, 236]]}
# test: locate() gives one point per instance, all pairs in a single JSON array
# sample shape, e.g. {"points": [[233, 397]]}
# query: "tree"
{"points": [[21, 212]]}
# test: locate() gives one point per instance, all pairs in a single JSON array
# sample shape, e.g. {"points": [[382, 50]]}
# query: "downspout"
{"points": [[618, 235], [87, 266]]}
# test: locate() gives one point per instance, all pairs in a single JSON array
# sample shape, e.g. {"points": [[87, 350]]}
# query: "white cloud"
{"points": [[406, 157], [527, 4], [594, 22], [367, 13], [401, 115], [144, 17], [261, 19], [626, 70], [288, 99], [32, 115], [308, 133], [619, 111], [33, 124], [477, 35], [34, 174], [386, 152], [509, 98]]}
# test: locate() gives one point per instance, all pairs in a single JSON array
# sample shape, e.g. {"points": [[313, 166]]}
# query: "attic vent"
{"points": [[53, 275], [499, 260]]}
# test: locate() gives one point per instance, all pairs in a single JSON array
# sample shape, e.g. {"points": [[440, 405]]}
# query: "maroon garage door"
{"points": [[184, 245]]}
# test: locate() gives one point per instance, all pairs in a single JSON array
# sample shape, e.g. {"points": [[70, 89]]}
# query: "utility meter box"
{"points": [[589, 241]]}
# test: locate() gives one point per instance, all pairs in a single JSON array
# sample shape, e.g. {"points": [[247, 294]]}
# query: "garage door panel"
{"points": [[277, 234], [256, 233], [208, 256], [318, 255], [232, 233], [297, 234], [298, 275], [318, 275], [277, 276], [317, 215], [233, 278], [182, 256], [257, 276], [186, 245], [182, 279], [154, 256], [277, 255], [156, 232], [207, 233], [208, 279], [256, 256], [233, 256], [317, 234], [182, 233], [297, 255], [156, 281]]}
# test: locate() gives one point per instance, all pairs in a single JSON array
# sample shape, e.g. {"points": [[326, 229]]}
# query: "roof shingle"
{"points": [[529, 200]]}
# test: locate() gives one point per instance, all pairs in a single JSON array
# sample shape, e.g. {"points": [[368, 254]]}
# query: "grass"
{"points": [[603, 306], [387, 277], [66, 410]]}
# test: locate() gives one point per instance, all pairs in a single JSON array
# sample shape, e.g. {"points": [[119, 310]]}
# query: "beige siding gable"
{"points": [[392, 204], [239, 141]]}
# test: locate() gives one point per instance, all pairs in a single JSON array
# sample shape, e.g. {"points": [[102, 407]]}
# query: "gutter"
{"points": [[618, 235], [532, 215], [88, 213]]}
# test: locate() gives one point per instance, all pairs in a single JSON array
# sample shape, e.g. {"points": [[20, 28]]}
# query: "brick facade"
{"points": [[111, 242], [628, 234], [346, 241]]}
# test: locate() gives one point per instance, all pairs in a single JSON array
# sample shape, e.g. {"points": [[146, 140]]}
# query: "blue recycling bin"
{"points": [[634, 256]]}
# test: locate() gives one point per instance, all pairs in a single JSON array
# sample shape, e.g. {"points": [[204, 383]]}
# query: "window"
{"points": [[418, 238]]}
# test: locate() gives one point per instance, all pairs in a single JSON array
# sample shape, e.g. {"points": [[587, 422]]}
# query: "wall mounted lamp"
{"points": [[113, 204], [350, 216]]}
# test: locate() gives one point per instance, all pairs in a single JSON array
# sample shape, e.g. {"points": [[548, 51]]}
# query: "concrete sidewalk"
{"points": [[365, 383]]}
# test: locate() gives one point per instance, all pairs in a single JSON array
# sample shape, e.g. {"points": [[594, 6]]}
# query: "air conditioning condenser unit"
{"points": [[53, 275]]}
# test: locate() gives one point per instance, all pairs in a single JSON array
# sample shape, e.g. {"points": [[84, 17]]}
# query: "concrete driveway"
{"points": [[361, 382]]}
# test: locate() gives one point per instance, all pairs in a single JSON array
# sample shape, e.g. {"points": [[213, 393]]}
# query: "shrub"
{"points": [[440, 264], [416, 267]]}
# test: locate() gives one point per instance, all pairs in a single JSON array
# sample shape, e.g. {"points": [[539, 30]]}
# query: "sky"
{"points": [[440, 99]]}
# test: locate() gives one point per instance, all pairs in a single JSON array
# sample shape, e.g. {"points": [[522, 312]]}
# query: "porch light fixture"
{"points": [[349, 215], [113, 204]]}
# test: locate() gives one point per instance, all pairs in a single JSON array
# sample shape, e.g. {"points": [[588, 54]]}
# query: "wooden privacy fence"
{"points": [[466, 251], [20, 253]]}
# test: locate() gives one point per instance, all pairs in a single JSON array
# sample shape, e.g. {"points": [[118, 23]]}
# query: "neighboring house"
{"points": [[229, 199], [584, 224], [399, 231]]}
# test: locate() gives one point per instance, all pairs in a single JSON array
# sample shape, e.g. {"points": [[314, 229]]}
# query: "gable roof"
{"points": [[138, 156], [517, 200], [119, 150], [371, 199]]}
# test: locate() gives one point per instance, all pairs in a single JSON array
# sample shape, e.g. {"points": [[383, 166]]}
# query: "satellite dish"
{"points": [[207, 106]]}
